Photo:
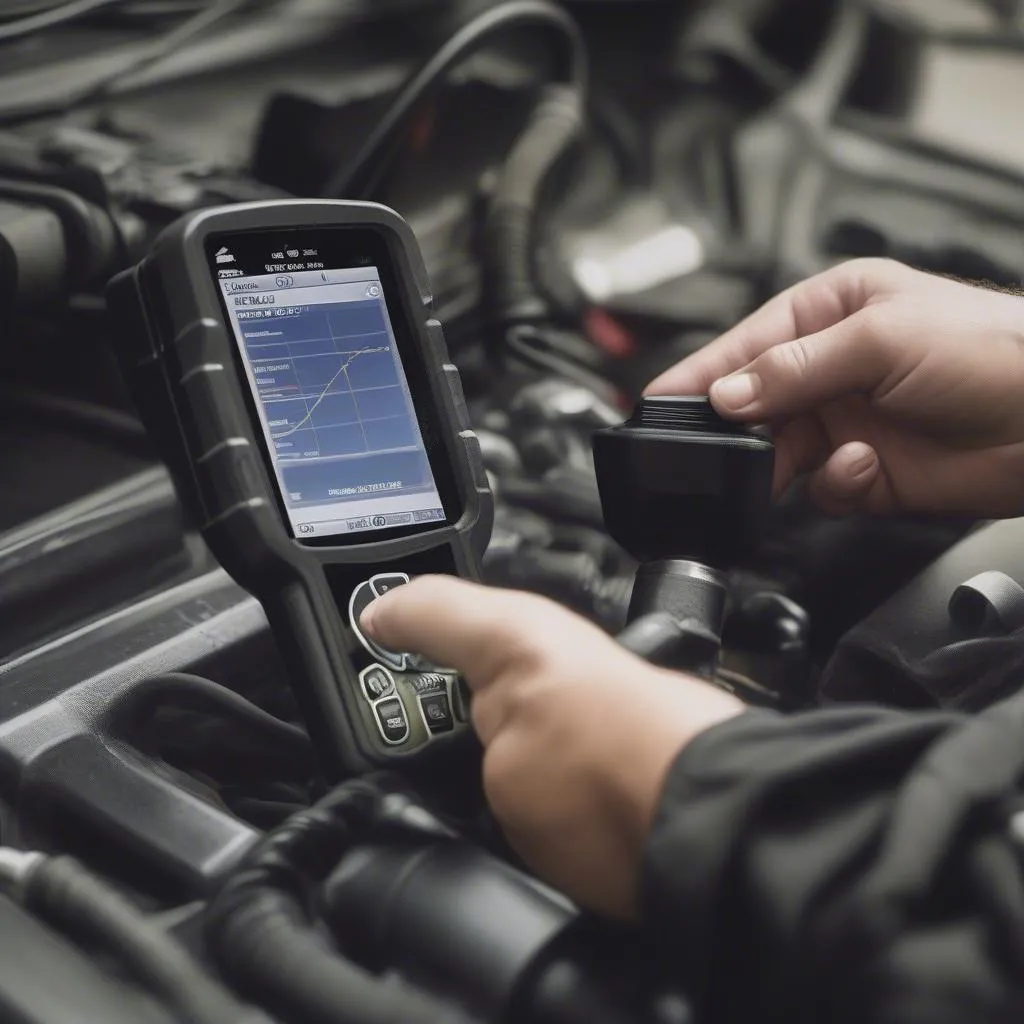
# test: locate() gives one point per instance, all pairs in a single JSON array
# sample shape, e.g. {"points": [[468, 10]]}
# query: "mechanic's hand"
{"points": [[579, 733], [895, 389]]}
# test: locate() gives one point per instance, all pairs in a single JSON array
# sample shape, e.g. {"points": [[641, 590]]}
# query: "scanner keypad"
{"points": [[395, 678]]}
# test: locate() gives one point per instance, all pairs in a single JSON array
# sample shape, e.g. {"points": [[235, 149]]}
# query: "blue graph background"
{"points": [[331, 385]]}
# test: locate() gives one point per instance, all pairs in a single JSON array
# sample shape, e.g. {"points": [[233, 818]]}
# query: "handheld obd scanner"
{"points": [[286, 363]]}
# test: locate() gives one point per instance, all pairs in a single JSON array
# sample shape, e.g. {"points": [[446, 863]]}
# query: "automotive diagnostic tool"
{"points": [[285, 360]]}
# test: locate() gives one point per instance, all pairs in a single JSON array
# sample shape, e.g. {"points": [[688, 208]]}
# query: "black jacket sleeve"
{"points": [[845, 867]]}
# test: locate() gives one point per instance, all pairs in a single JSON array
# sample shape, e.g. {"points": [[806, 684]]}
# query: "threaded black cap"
{"points": [[692, 414]]}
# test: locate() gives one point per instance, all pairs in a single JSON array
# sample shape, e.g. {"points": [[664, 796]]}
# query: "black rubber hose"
{"points": [[357, 179], [93, 245], [508, 238], [573, 578], [89, 418], [62, 892], [264, 942], [197, 693], [198, 23], [568, 497], [52, 17]]}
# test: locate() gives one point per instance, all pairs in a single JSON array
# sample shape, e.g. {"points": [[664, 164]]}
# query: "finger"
{"points": [[450, 621], [806, 308], [845, 482], [479, 631], [800, 376], [801, 446], [772, 324]]}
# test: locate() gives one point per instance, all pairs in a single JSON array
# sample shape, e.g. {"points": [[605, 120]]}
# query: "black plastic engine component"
{"points": [[987, 604], [46, 980], [693, 596], [60, 569], [79, 903], [684, 492], [28, 234], [265, 941], [555, 125], [768, 635], [389, 904], [356, 179], [303, 138], [51, 241], [951, 638], [456, 921], [679, 482]]}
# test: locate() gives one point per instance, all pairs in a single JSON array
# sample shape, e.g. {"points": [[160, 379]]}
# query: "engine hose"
{"points": [[358, 179], [67, 896], [573, 578], [88, 418], [264, 941], [195, 692], [508, 237]]}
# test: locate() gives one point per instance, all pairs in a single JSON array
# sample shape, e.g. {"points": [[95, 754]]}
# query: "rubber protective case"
{"points": [[178, 354]]}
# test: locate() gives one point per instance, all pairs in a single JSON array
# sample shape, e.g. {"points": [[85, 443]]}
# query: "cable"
{"points": [[568, 500], [357, 179], [14, 10], [92, 242], [101, 88], [133, 12], [508, 242], [573, 578], [261, 768], [540, 350], [204, 695], [163, 47], [508, 237], [59, 15], [259, 929], [125, 430], [1006, 36], [64, 894], [127, 10]]}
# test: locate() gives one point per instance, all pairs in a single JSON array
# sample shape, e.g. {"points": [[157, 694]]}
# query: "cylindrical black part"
{"points": [[63, 893], [33, 257], [259, 928], [990, 603], [447, 917], [286, 963], [685, 590]]}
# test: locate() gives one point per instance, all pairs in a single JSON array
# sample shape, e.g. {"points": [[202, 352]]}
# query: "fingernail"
{"points": [[737, 392], [862, 463]]}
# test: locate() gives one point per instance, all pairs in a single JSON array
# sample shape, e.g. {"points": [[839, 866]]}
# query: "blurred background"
{"points": [[728, 148]]}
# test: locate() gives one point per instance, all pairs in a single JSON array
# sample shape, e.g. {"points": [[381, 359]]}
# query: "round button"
{"points": [[377, 586], [361, 598]]}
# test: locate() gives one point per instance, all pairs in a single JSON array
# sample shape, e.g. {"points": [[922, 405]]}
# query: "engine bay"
{"points": [[725, 150]]}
